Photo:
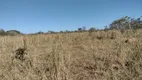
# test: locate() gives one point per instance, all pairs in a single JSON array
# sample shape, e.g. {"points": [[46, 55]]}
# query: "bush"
{"points": [[92, 29], [13, 32], [2, 32], [40, 32]]}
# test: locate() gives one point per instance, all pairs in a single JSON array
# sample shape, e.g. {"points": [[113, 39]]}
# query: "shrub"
{"points": [[92, 29], [2, 32], [13, 32], [40, 32]]}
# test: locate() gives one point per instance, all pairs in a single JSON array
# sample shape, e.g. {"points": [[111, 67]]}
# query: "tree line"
{"points": [[126, 23], [122, 24]]}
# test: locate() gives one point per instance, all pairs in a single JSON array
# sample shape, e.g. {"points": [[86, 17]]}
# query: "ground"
{"points": [[99, 55]]}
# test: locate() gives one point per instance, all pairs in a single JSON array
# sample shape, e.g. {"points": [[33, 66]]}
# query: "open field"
{"points": [[73, 56]]}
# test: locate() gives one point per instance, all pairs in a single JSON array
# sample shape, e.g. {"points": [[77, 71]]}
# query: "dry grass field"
{"points": [[100, 55]]}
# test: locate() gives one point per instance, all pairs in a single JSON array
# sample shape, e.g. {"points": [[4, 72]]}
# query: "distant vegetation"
{"points": [[126, 23], [121, 24], [10, 32]]}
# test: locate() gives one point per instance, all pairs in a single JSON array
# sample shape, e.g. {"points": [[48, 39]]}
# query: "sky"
{"points": [[29, 16]]}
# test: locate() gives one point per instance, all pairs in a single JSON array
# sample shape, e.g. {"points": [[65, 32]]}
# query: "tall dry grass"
{"points": [[101, 55]]}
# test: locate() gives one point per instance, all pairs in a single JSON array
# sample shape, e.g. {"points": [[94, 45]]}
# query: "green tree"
{"points": [[2, 32], [80, 29], [126, 23], [13, 32], [92, 29], [40, 32]]}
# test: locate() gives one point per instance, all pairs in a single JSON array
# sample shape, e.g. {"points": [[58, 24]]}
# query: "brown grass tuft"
{"points": [[131, 40]]}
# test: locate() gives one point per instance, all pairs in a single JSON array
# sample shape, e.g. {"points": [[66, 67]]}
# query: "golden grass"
{"points": [[101, 55]]}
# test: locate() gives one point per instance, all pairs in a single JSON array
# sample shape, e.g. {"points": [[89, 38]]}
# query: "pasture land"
{"points": [[100, 55]]}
